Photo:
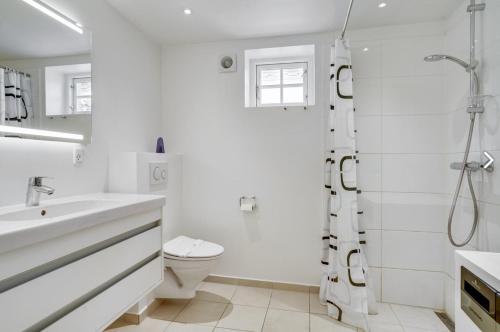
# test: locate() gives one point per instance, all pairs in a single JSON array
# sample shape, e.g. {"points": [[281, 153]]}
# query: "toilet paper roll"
{"points": [[247, 207]]}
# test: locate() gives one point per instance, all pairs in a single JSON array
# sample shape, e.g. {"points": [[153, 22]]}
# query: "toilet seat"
{"points": [[186, 248]]}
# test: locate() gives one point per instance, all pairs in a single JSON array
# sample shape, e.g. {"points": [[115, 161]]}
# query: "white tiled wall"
{"points": [[421, 212], [415, 287], [412, 124], [487, 131], [402, 141]]}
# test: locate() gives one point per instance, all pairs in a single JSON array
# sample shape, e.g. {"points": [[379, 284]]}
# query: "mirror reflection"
{"points": [[45, 74]]}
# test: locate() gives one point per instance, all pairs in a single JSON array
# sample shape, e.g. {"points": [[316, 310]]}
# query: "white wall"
{"points": [[486, 135], [229, 152], [126, 86]]}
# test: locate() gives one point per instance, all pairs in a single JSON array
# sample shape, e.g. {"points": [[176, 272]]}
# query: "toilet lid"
{"points": [[186, 247]]}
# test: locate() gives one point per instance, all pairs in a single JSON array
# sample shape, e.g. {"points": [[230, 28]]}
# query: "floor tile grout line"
{"points": [[223, 311], [254, 306], [267, 310], [176, 315], [396, 315], [182, 309], [169, 322], [166, 327], [432, 312], [288, 310], [411, 306]]}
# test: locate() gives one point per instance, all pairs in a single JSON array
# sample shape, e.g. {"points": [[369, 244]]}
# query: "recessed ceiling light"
{"points": [[187, 11], [382, 5], [365, 49]]}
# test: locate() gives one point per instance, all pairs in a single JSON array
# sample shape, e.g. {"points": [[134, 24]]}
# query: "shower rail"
{"points": [[346, 19]]}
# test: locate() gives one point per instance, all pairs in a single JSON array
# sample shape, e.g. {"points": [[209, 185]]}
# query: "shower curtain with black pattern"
{"points": [[345, 285]]}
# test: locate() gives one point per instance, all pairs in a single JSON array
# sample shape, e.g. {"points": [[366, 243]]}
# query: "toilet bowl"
{"points": [[187, 263]]}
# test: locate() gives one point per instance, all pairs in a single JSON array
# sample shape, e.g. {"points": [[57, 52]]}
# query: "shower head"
{"points": [[434, 57], [439, 57], [469, 67]]}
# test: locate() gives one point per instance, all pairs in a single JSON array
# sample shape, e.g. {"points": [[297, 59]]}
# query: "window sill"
{"points": [[52, 116], [279, 108]]}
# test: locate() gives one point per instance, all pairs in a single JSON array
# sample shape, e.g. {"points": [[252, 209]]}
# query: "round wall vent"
{"points": [[227, 63]]}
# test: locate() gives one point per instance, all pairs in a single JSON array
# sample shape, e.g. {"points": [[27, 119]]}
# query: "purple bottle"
{"points": [[160, 147]]}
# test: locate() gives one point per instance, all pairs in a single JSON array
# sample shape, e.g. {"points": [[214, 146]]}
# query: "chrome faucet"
{"points": [[35, 188]]}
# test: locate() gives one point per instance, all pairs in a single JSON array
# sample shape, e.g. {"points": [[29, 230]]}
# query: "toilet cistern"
{"points": [[35, 188]]}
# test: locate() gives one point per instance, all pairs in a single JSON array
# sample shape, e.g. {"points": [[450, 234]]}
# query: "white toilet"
{"points": [[187, 263]]}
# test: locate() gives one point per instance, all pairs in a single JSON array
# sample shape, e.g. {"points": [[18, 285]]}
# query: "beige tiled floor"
{"points": [[220, 307]]}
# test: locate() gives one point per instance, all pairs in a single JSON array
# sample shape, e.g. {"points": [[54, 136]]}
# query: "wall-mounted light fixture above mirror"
{"points": [[45, 73]]}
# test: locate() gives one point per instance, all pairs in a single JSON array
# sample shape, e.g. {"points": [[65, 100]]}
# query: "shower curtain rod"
{"points": [[346, 20], [17, 71]]}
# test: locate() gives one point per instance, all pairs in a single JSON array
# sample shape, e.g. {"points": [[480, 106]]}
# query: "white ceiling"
{"points": [[27, 33], [214, 20]]}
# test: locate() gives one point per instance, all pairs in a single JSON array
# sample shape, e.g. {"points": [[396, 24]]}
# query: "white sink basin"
{"points": [[21, 225], [45, 211]]}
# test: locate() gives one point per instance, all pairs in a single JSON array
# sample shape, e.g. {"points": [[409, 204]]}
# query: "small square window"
{"points": [[282, 84], [280, 77]]}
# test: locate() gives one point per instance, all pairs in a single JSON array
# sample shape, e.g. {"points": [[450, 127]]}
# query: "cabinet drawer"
{"points": [[60, 289], [99, 312], [14, 262]]}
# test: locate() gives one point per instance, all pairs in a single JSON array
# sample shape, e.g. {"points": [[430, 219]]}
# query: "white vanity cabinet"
{"points": [[84, 279], [477, 295]]}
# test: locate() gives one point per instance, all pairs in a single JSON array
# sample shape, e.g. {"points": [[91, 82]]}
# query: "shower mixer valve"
{"points": [[475, 165]]}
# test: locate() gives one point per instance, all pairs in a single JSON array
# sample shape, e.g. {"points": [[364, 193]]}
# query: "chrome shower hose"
{"points": [[457, 192]]}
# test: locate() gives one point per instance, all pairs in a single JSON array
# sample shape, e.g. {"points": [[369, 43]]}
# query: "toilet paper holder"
{"points": [[248, 199]]}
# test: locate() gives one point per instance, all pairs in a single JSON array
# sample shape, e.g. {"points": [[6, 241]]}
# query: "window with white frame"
{"points": [[281, 84], [82, 94], [280, 77]]}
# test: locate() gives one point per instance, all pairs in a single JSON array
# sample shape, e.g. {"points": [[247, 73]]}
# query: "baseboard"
{"points": [[137, 319], [262, 283]]}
